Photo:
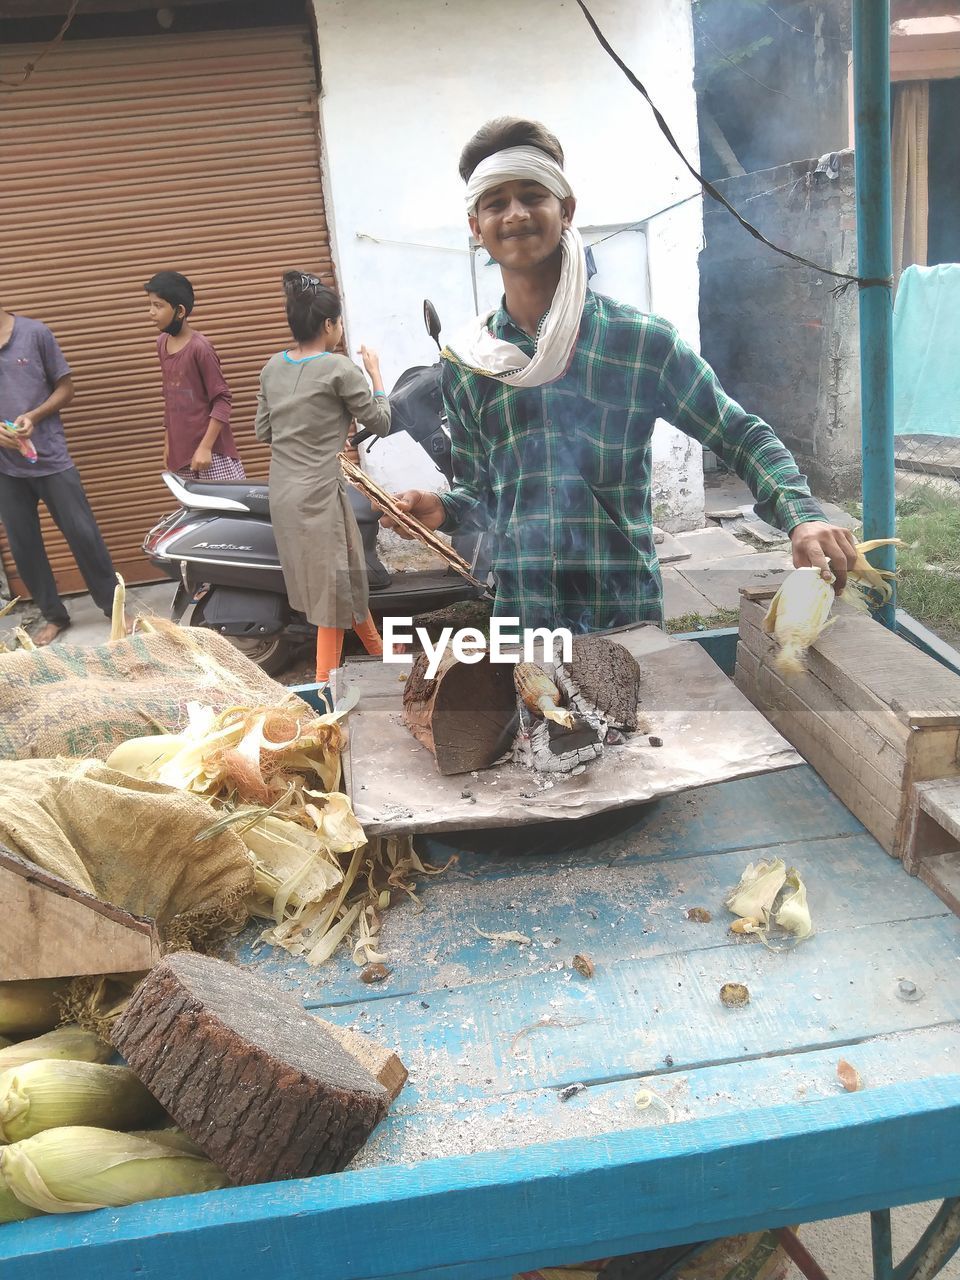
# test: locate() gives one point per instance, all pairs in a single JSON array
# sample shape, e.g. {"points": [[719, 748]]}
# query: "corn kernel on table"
{"points": [[552, 1117]]}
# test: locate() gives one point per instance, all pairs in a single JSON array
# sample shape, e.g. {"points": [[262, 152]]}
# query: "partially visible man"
{"points": [[552, 401], [35, 384]]}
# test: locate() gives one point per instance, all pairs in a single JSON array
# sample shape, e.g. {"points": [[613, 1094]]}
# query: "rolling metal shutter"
{"points": [[196, 152]]}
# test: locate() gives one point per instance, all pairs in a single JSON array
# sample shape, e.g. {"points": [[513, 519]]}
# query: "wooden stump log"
{"points": [[261, 1087], [466, 716], [607, 676]]}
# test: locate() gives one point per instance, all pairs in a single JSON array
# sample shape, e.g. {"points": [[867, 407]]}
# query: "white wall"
{"points": [[404, 85]]}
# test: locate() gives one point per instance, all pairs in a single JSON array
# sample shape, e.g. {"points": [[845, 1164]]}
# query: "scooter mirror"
{"points": [[431, 320]]}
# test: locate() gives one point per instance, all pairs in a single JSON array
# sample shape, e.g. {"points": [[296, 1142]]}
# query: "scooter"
{"points": [[219, 544]]}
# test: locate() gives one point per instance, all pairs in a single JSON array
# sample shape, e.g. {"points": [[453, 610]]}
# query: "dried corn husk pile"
{"points": [[270, 774], [266, 773]]}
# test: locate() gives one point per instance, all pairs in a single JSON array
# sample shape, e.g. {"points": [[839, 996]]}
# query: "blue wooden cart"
{"points": [[552, 1117]]}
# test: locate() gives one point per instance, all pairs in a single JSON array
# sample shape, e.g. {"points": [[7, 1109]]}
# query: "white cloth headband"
{"points": [[517, 164], [475, 347]]}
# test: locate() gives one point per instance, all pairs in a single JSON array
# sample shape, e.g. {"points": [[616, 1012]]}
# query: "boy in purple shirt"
{"points": [[35, 384], [196, 398]]}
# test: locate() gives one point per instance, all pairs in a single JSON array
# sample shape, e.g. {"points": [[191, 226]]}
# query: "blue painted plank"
{"points": [[721, 644], [620, 878], [615, 1194], [421, 1126], [927, 642], [548, 1029], [630, 908]]}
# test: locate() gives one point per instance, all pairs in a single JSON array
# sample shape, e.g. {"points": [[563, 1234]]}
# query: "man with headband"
{"points": [[552, 401]]}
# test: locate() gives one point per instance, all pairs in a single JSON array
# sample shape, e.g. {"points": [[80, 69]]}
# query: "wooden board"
{"points": [[932, 842], [870, 712], [744, 1124], [708, 731], [53, 930]]}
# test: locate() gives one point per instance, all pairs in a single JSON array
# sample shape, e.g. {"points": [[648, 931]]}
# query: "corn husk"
{"points": [[174, 1138], [800, 611], [793, 913], [118, 625], [72, 1169], [73, 1043], [30, 1006], [47, 1094], [12, 1209], [757, 891], [317, 880], [798, 615], [866, 576], [243, 755], [292, 865], [143, 757]]}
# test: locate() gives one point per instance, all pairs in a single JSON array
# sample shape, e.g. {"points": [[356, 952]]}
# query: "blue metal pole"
{"points": [[871, 91]]}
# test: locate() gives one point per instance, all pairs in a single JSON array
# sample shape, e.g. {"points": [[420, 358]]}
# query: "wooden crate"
{"points": [[873, 715]]}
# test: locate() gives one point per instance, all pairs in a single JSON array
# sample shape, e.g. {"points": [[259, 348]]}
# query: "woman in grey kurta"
{"points": [[309, 396]]}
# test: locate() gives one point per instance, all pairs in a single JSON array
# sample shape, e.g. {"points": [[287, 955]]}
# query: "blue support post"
{"points": [[882, 1244], [871, 90]]}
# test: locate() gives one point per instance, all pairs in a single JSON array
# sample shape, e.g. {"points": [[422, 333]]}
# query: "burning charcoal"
{"points": [[601, 672], [549, 748]]}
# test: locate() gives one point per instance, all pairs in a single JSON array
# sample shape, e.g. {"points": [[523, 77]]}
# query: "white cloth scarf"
{"points": [[476, 347]]}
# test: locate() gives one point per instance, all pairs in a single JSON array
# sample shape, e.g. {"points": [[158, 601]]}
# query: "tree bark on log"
{"points": [[255, 1081], [607, 676], [466, 716]]}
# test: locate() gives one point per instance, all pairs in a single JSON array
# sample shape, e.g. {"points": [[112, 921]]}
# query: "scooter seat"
{"points": [[255, 497]]}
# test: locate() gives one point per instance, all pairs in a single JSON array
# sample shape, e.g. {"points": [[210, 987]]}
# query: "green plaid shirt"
{"points": [[561, 473]]}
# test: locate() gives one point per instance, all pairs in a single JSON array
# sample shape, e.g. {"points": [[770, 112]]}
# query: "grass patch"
{"points": [[928, 579], [928, 584], [703, 621]]}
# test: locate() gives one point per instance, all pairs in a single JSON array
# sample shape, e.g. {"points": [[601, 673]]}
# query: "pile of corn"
{"points": [[318, 879], [73, 1132]]}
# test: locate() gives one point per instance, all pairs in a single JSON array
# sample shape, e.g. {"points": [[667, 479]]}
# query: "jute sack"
{"points": [[67, 701], [128, 842]]}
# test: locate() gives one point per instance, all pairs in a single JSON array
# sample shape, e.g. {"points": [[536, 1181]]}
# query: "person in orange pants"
{"points": [[330, 645], [310, 394]]}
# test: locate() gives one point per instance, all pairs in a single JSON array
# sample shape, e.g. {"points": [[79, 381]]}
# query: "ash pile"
{"points": [[570, 715]]}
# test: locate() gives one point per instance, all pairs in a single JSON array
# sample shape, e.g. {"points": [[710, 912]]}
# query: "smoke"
{"points": [[771, 81]]}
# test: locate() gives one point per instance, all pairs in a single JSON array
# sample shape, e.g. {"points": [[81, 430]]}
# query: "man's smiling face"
{"points": [[520, 223]]}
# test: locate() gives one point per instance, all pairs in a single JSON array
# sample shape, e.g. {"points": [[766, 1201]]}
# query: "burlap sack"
{"points": [[130, 843], [67, 701]]}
